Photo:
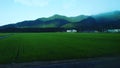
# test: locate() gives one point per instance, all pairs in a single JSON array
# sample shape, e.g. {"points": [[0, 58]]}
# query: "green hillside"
{"points": [[99, 22]]}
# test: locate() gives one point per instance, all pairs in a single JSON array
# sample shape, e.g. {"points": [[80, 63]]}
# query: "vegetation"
{"points": [[3, 34], [25, 47], [100, 22]]}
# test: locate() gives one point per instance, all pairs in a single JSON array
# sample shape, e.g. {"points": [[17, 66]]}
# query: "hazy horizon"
{"points": [[13, 11]]}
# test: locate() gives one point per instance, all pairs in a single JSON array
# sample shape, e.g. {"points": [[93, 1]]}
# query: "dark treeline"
{"points": [[32, 30], [83, 29]]}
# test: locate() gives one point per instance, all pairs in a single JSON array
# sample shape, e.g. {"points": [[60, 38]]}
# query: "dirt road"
{"points": [[109, 62]]}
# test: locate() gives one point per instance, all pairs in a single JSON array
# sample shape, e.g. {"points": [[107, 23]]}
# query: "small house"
{"points": [[72, 30], [113, 30]]}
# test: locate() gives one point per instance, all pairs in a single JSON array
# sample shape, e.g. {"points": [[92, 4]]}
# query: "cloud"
{"points": [[35, 3]]}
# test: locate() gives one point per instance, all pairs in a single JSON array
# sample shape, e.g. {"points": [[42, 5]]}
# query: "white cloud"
{"points": [[36, 3]]}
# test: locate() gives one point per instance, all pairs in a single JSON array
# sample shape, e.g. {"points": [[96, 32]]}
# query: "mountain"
{"points": [[110, 20], [103, 21], [87, 24], [70, 19], [54, 21]]}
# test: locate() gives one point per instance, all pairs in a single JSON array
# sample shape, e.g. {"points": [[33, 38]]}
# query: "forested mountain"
{"points": [[103, 21]]}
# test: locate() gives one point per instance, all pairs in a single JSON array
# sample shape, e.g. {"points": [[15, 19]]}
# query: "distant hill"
{"points": [[70, 19], [50, 22], [109, 20]]}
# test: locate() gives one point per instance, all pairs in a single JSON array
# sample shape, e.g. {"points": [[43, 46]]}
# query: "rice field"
{"points": [[27, 47]]}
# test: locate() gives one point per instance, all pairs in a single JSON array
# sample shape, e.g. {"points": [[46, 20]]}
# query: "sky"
{"points": [[13, 11]]}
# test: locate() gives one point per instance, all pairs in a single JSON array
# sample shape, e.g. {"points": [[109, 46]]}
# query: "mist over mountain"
{"points": [[109, 20]]}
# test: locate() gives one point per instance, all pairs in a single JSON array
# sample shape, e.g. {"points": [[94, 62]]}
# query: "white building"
{"points": [[73, 30], [113, 30]]}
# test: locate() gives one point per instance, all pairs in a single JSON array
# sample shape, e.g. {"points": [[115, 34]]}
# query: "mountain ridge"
{"points": [[109, 20]]}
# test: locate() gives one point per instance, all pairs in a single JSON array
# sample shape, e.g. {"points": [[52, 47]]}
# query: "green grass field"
{"points": [[25, 47], [3, 34]]}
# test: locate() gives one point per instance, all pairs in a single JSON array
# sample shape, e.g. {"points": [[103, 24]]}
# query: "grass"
{"points": [[3, 34], [25, 47]]}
